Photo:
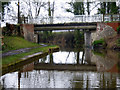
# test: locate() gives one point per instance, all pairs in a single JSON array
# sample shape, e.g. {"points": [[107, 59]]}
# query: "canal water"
{"points": [[68, 68]]}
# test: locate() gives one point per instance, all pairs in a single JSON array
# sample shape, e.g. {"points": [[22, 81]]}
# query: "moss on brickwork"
{"points": [[99, 43]]}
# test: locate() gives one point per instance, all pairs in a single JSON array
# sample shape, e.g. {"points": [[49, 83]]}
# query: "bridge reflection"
{"points": [[70, 67], [82, 62]]}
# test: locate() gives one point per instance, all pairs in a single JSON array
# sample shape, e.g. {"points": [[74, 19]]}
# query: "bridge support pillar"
{"points": [[87, 39]]}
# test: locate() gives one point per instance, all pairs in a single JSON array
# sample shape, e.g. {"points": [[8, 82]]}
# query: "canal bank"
{"points": [[18, 55]]}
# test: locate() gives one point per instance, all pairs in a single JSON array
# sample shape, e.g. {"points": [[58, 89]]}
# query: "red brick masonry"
{"points": [[114, 25]]}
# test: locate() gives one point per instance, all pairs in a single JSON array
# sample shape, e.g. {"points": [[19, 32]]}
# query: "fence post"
{"points": [[103, 17], [111, 17], [119, 17]]}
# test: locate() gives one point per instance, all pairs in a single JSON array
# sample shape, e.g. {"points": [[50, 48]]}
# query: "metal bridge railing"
{"points": [[111, 17], [76, 18]]}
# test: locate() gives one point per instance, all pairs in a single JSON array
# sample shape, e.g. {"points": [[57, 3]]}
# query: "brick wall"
{"points": [[113, 25], [103, 31], [100, 26], [28, 31]]}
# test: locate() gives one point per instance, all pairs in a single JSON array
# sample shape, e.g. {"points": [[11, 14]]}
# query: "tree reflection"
{"points": [[19, 76], [78, 57], [118, 66], [82, 57], [51, 58]]}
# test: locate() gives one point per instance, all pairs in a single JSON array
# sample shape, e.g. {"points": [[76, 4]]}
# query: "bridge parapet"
{"points": [[69, 19]]}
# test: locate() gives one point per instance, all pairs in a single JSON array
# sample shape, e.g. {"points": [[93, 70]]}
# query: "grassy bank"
{"points": [[13, 43]]}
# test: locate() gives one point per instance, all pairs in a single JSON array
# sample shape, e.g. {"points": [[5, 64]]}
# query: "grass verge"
{"points": [[13, 43], [17, 58]]}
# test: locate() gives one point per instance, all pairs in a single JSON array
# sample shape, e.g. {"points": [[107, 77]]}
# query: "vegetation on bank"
{"points": [[13, 43], [99, 53]]}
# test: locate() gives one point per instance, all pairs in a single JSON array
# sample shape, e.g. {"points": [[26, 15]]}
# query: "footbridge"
{"points": [[65, 26], [88, 24], [86, 27], [73, 19]]}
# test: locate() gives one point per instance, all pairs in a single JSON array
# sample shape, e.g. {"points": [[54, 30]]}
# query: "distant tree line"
{"points": [[108, 8], [73, 38], [79, 8]]}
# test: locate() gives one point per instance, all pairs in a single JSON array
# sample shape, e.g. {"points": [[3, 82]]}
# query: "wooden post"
{"points": [[119, 17], [0, 12], [18, 11], [18, 17], [2, 43]]}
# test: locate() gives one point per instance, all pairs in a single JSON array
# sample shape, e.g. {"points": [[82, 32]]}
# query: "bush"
{"points": [[78, 38], [10, 30], [118, 29], [99, 43]]}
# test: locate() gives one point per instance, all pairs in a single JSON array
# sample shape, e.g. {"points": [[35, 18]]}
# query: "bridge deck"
{"points": [[65, 26], [70, 67]]}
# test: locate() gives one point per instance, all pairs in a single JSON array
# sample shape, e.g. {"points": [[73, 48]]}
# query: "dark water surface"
{"points": [[68, 69]]}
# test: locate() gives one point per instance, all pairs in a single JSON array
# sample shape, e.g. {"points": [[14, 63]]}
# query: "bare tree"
{"points": [[30, 9], [10, 14], [34, 8], [51, 8]]}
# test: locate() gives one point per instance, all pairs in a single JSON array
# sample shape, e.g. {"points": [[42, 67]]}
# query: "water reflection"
{"points": [[63, 57], [80, 69], [106, 61], [61, 79]]}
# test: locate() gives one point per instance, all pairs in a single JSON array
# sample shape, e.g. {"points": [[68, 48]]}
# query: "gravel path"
{"points": [[19, 51], [14, 52]]}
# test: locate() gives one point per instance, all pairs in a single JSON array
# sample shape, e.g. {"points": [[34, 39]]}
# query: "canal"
{"points": [[68, 68]]}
